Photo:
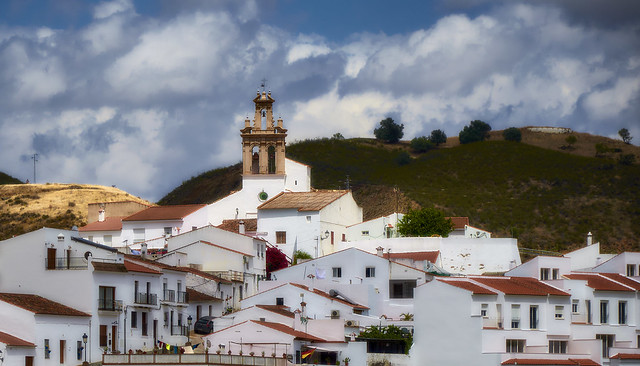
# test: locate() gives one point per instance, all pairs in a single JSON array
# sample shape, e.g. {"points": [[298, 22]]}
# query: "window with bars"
{"points": [[515, 345], [337, 271], [370, 272], [557, 346], [281, 237]]}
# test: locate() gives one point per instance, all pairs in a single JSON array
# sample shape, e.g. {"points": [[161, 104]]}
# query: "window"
{"points": [[63, 347], [587, 305], [631, 270], [515, 316], [106, 298], [332, 238], [134, 319], [555, 274], [279, 300], [622, 312], [401, 289], [138, 235], [559, 312], [308, 219], [604, 312], [108, 240], [337, 271], [557, 346], [144, 323], [194, 228], [365, 232], [210, 310], [166, 318], [484, 310], [344, 237], [544, 273], [533, 317], [607, 341], [574, 306], [515, 345], [281, 237], [47, 349], [370, 272], [167, 231]]}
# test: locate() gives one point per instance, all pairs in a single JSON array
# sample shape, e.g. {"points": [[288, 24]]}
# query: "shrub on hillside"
{"points": [[421, 144], [389, 131], [512, 134], [403, 158], [425, 222], [438, 137], [475, 131]]}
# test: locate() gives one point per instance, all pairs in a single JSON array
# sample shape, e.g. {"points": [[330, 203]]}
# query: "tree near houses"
{"points": [[389, 131], [425, 222], [475, 131], [438, 137], [625, 135], [512, 134]]}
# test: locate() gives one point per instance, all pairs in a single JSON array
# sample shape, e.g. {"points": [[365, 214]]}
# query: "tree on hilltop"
{"points": [[625, 135], [389, 131], [438, 137], [475, 131]]}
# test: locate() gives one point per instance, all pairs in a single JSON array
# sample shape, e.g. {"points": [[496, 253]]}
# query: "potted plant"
{"points": [[251, 353], [346, 361], [262, 353], [218, 351], [273, 354]]}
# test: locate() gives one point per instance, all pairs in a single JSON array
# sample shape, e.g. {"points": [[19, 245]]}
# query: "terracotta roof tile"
{"points": [[533, 361], [459, 222], [279, 309], [12, 341], [598, 282], [623, 279], [194, 271], [324, 294], [233, 225], [303, 201], [108, 267], [431, 256], [39, 305], [135, 267], [173, 212], [288, 330], [520, 286], [109, 224], [469, 286], [197, 296], [626, 356]]}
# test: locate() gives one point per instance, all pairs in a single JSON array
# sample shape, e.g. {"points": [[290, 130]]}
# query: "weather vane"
{"points": [[264, 84]]}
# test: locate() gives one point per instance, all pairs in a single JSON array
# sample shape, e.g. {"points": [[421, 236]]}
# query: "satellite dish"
{"points": [[87, 254]]}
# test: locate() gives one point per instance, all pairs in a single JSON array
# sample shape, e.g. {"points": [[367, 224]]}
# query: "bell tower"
{"points": [[263, 142]]}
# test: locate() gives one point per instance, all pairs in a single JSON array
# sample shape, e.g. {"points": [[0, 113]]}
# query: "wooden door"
{"points": [[51, 258], [63, 346]]}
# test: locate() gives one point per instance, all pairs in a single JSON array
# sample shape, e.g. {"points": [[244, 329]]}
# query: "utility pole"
{"points": [[35, 160]]}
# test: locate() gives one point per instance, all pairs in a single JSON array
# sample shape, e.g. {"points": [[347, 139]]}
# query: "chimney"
{"points": [[101, 215], [143, 250], [379, 251], [589, 239], [241, 227]]}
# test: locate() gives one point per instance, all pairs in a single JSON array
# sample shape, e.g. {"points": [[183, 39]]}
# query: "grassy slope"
{"points": [[547, 199], [7, 179]]}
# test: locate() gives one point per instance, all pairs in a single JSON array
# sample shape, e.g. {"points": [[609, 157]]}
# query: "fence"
{"points": [[193, 359]]}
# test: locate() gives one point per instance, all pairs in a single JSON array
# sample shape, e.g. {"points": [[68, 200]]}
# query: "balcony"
{"points": [[146, 298], [109, 305], [179, 330], [492, 323], [229, 275], [65, 263], [183, 297], [169, 296]]}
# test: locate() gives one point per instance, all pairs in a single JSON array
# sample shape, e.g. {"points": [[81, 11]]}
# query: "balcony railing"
{"points": [[146, 298], [179, 330], [169, 295], [109, 305], [183, 297], [66, 263], [229, 275]]}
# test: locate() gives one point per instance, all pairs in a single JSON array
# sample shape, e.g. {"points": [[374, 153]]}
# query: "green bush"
{"points": [[421, 144], [403, 158], [475, 131], [389, 131], [512, 134]]}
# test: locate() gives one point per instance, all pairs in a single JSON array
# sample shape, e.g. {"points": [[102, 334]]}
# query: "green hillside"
{"points": [[7, 179]]}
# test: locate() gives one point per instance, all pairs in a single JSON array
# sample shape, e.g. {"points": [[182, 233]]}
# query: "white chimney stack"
{"points": [[589, 239], [241, 229], [143, 250], [101, 215], [379, 251]]}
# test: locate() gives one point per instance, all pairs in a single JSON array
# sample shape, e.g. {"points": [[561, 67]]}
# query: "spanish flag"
{"points": [[307, 353]]}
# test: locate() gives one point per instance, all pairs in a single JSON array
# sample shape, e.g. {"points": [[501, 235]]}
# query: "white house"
{"points": [[154, 224], [313, 222], [265, 170], [39, 331], [106, 231], [380, 227]]}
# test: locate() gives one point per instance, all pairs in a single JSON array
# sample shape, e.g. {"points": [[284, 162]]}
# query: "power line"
{"points": [[35, 160]]}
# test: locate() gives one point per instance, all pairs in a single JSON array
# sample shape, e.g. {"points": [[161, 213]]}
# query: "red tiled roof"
{"points": [[520, 286], [234, 224], [624, 280], [459, 222], [278, 309], [173, 212], [431, 256], [109, 224], [626, 356], [598, 282], [12, 341], [39, 305], [533, 361], [197, 296], [135, 267], [303, 201], [288, 330], [324, 294], [469, 286], [108, 267]]}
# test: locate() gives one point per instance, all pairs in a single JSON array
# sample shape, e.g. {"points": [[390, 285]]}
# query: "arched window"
{"points": [[255, 160], [272, 159]]}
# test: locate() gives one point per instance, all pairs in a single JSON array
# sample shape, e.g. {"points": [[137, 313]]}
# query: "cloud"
{"points": [[107, 9]]}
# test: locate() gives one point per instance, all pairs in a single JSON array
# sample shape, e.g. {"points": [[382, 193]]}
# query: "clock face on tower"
{"points": [[262, 196]]}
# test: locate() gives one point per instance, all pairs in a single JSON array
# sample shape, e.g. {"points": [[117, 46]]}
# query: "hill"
{"points": [[547, 196], [27, 207]]}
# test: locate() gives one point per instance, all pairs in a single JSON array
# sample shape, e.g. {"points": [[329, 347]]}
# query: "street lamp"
{"points": [[189, 320], [84, 340]]}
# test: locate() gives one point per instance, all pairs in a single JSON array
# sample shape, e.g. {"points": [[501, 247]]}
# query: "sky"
{"points": [[146, 94]]}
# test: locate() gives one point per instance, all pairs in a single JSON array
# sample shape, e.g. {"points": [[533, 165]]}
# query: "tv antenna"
{"points": [[35, 160]]}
